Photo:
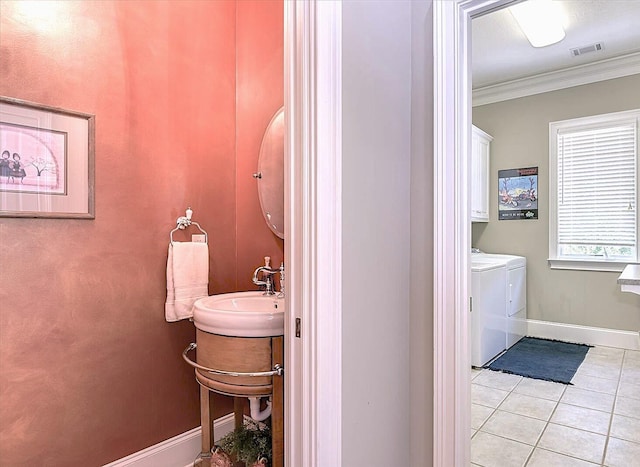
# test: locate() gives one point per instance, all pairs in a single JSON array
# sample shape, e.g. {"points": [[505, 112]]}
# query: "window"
{"points": [[593, 192]]}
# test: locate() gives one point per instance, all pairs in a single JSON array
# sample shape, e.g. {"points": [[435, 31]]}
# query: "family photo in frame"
{"points": [[46, 161]]}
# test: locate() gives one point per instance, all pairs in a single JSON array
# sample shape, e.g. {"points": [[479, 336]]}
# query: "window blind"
{"points": [[597, 185]]}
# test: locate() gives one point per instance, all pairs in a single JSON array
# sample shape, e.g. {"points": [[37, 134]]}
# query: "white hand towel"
{"points": [[187, 278]]}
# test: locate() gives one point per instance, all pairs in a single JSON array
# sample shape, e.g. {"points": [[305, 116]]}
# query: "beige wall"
{"points": [[520, 128]]}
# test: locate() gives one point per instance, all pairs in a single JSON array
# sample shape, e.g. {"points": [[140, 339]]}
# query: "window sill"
{"points": [[588, 265]]}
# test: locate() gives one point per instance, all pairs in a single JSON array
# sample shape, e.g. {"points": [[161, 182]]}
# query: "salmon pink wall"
{"points": [[89, 370], [260, 93]]}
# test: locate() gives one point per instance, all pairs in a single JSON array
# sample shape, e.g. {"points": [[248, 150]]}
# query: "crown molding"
{"points": [[575, 76]]}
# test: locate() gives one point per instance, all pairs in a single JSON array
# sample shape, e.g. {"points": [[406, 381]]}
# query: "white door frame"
{"points": [[452, 229], [313, 232]]}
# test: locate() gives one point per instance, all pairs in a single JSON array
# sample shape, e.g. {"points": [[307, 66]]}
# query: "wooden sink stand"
{"points": [[241, 355]]}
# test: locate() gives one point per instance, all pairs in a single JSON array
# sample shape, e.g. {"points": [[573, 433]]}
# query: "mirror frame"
{"points": [[270, 175]]}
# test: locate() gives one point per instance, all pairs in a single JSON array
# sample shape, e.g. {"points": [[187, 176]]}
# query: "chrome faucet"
{"points": [[267, 281]]}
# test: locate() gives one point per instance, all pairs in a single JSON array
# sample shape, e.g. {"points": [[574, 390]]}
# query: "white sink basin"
{"points": [[240, 314]]}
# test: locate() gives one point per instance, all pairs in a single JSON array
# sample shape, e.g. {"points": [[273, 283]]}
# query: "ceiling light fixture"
{"points": [[540, 20]]}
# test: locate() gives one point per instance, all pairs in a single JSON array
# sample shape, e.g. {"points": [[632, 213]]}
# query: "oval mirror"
{"points": [[270, 174]]}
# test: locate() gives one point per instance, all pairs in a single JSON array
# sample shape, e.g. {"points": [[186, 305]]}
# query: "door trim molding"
{"points": [[451, 379], [452, 229], [313, 232]]}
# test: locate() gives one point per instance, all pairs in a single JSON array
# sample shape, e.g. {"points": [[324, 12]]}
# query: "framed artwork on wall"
{"points": [[518, 194], [46, 162]]}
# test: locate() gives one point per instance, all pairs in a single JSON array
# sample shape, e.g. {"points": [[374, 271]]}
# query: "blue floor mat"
{"points": [[549, 360]]}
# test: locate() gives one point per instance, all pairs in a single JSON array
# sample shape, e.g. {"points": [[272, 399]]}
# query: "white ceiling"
{"points": [[501, 52]]}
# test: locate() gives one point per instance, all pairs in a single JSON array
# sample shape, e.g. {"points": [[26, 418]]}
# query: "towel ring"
{"points": [[184, 222]]}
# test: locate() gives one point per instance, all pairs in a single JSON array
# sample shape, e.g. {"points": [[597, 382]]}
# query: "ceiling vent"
{"points": [[598, 46]]}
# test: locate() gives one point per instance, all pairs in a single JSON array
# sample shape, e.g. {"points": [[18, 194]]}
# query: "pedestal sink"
{"points": [[240, 353], [240, 314], [236, 336]]}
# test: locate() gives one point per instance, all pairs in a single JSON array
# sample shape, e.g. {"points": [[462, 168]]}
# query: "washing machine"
{"points": [[515, 293], [488, 331]]}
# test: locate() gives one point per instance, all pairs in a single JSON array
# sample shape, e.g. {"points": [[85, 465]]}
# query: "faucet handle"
{"points": [[281, 270], [267, 261]]}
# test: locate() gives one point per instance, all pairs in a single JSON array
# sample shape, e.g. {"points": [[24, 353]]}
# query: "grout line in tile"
{"points": [[535, 445], [608, 436], [613, 409], [546, 425]]}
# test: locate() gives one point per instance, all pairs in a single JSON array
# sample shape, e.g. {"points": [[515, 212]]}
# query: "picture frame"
{"points": [[47, 161], [518, 194]]}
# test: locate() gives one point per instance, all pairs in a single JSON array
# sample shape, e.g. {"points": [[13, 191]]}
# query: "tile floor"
{"points": [[518, 421]]}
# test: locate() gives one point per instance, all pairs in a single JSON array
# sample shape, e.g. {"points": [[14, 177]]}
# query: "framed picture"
{"points": [[518, 194], [46, 162]]}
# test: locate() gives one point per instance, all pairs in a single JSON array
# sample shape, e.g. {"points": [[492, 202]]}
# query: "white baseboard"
{"points": [[178, 451], [628, 340]]}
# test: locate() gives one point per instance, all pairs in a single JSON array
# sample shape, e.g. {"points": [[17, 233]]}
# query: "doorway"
{"points": [[452, 234]]}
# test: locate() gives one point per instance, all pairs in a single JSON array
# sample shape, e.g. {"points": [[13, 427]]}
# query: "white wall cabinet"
{"points": [[480, 156]]}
